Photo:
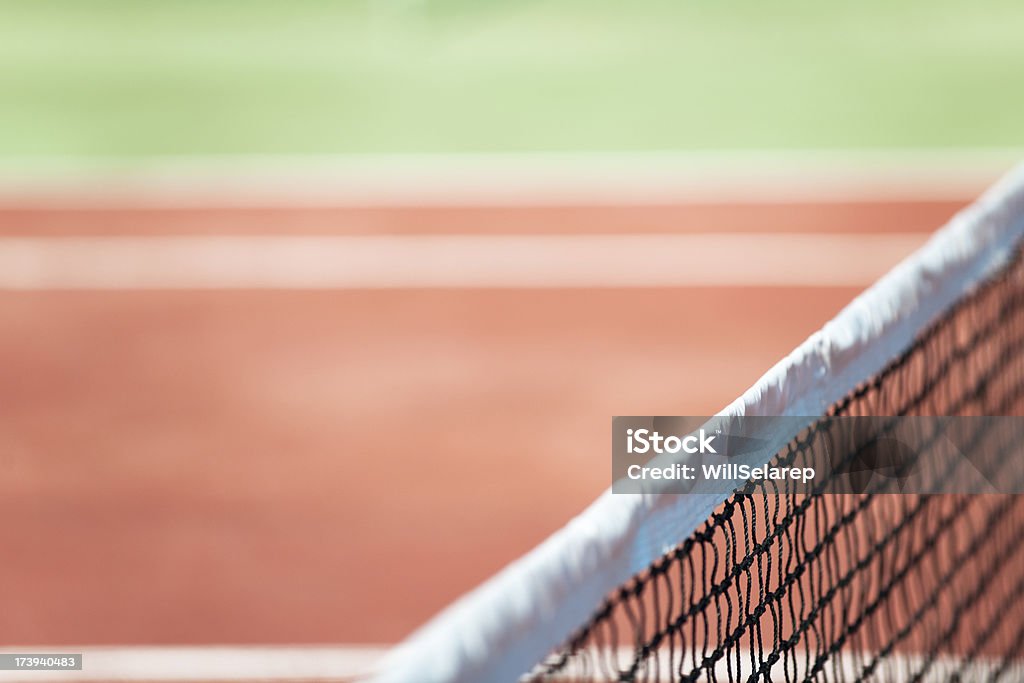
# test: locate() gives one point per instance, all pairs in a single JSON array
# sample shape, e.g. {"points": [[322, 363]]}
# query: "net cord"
{"points": [[501, 629]]}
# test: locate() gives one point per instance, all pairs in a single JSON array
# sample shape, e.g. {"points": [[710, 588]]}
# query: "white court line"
{"points": [[449, 261], [209, 663], [357, 663], [595, 179]]}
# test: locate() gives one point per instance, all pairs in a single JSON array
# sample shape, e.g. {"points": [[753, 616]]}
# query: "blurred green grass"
{"points": [[86, 78]]}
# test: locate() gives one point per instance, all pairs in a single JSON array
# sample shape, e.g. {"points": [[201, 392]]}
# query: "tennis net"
{"points": [[804, 586]]}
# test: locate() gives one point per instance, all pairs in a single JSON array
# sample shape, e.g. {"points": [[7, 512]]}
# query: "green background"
{"points": [[86, 78]]}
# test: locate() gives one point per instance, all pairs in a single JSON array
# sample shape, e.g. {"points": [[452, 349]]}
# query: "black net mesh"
{"points": [[852, 587]]}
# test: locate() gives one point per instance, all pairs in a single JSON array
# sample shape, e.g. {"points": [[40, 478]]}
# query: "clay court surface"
{"points": [[335, 466]]}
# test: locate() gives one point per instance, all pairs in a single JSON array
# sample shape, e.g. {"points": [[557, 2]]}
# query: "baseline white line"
{"points": [[449, 261], [504, 179], [206, 663], [356, 663]]}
